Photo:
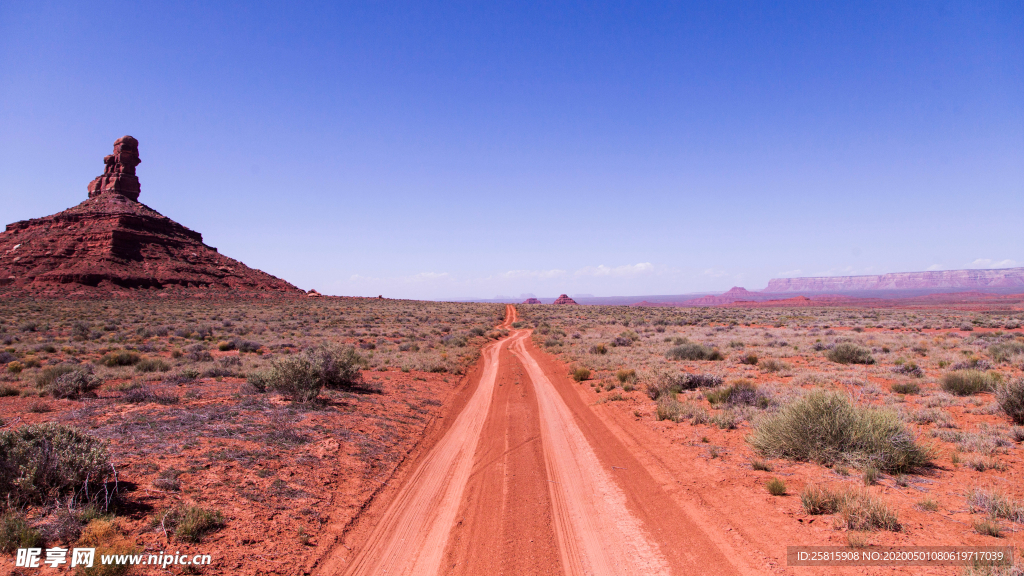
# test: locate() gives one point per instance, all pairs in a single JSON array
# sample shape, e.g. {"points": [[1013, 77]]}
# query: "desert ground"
{"points": [[533, 439]]}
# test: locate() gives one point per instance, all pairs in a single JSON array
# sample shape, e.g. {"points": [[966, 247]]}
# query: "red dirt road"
{"points": [[528, 479]]}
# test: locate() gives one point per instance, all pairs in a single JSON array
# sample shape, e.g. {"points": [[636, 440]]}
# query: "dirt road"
{"points": [[527, 479]]}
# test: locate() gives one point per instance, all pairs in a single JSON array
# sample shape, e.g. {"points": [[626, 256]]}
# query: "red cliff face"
{"points": [[938, 280], [113, 242], [564, 299]]}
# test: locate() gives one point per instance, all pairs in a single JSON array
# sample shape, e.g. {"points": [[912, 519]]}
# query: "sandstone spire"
{"points": [[119, 175]]}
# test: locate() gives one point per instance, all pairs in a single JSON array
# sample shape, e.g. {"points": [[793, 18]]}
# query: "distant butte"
{"points": [[532, 301], [113, 243], [564, 299]]}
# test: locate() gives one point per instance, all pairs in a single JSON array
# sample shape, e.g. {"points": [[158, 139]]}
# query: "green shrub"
{"points": [[692, 351], [966, 382], [598, 349], [749, 359], [1011, 399], [776, 487], [581, 374], [49, 374], [225, 346], [906, 388], [190, 523], [152, 365], [301, 378], [825, 427], [16, 533], [8, 390], [261, 380], [120, 358], [848, 353], [41, 461], [15, 367]]}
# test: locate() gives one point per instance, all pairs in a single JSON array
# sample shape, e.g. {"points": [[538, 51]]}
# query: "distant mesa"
{"points": [[564, 299], [532, 301], [944, 280], [113, 243]]}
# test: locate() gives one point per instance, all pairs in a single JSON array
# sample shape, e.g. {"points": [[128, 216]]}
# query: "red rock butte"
{"points": [[564, 299], [111, 243], [532, 301]]}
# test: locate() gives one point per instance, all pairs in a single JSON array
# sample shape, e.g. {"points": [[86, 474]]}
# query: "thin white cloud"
{"points": [[990, 263], [790, 273], [626, 270], [555, 273], [712, 273], [934, 267]]}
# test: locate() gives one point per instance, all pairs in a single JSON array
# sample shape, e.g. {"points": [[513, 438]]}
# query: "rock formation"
{"points": [[564, 299], [532, 301], [944, 280], [111, 242]]}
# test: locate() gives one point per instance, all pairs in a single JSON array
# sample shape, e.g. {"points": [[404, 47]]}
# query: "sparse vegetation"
{"points": [[825, 427], [858, 508], [1011, 399], [847, 353], [776, 487], [966, 382], [41, 461]]}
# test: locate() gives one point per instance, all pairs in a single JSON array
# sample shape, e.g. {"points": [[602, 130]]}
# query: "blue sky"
{"points": [[471, 150]]}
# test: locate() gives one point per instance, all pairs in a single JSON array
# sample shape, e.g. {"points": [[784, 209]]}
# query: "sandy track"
{"points": [[528, 480]]}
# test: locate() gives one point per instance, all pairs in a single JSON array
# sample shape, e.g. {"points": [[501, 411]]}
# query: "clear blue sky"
{"points": [[462, 150]]}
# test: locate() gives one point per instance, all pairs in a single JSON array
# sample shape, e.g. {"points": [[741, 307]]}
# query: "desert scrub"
{"points": [[825, 427], [74, 385], [668, 408], [152, 365], [966, 382], [16, 533], [858, 508], [1010, 397], [120, 358], [190, 523], [776, 487], [847, 353], [692, 351], [905, 388], [738, 392], [301, 378], [41, 461], [996, 504], [1005, 351], [581, 374], [103, 535]]}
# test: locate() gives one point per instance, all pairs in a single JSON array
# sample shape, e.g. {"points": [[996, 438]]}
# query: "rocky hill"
{"points": [[944, 280], [564, 299], [113, 243]]}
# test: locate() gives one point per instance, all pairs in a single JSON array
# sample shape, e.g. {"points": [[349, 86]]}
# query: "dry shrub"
{"points": [[104, 536], [858, 508]]}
